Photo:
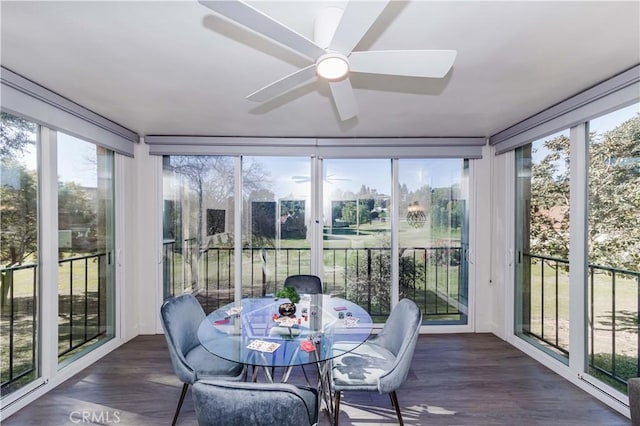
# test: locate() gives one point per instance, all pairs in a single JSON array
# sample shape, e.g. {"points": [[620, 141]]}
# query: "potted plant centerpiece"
{"points": [[288, 309]]}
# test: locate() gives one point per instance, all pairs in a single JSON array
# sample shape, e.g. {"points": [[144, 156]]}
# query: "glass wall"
{"points": [[276, 196], [542, 244], [433, 236], [19, 260], [357, 232], [613, 239], [86, 282], [198, 227], [85, 262], [277, 233]]}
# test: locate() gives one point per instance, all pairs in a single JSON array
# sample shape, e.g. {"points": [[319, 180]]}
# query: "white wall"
{"points": [[147, 247], [502, 255], [480, 252]]}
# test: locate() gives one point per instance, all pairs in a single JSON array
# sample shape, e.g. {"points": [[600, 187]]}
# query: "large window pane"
{"points": [[614, 245], [433, 237], [85, 246], [19, 288], [542, 243], [198, 227], [275, 223], [357, 232]]}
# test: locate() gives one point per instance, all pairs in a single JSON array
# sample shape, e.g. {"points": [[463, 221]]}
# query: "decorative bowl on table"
{"points": [[287, 309]]}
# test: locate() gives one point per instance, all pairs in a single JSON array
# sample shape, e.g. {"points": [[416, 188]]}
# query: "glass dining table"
{"points": [[253, 332]]}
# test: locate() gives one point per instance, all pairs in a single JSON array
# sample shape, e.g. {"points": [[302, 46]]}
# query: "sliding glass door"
{"points": [[86, 285], [433, 235], [613, 246], [276, 197], [592, 252], [82, 268], [357, 232], [19, 254], [349, 244], [198, 227], [542, 241]]}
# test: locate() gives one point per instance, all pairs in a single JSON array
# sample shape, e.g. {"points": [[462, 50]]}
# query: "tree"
{"points": [[549, 209], [614, 198], [211, 178], [15, 135], [75, 213], [18, 191], [18, 214], [368, 277]]}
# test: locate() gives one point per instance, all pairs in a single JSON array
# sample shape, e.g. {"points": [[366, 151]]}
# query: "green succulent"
{"points": [[289, 293]]}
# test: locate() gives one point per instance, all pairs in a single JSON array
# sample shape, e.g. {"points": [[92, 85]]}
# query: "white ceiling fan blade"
{"points": [[283, 85], [344, 98], [356, 20], [410, 63], [257, 21]]}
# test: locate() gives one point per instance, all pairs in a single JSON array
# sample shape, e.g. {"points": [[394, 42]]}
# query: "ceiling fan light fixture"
{"points": [[332, 66]]}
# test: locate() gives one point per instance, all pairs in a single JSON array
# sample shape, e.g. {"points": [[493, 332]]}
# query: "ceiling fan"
{"points": [[336, 34]]}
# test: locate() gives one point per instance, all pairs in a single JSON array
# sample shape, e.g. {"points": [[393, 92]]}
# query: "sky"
{"points": [[76, 161], [289, 175], [601, 124]]}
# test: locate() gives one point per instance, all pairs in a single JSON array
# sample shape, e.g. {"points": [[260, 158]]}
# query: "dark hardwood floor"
{"points": [[457, 379]]}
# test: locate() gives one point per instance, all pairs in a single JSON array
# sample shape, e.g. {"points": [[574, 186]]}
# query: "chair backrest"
{"points": [[399, 336], [181, 316], [307, 284], [246, 403]]}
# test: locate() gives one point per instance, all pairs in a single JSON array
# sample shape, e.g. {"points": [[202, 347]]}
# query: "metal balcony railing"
{"points": [[434, 277], [18, 324], [613, 328], [81, 312]]}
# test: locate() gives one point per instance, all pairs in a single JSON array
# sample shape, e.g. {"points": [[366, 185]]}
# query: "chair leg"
{"points": [[182, 395], [336, 407], [394, 402]]}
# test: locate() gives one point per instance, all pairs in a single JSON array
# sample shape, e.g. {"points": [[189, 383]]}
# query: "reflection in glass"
{"points": [[275, 226], [613, 238], [198, 227], [542, 243], [433, 237], [357, 232], [85, 246], [19, 287]]}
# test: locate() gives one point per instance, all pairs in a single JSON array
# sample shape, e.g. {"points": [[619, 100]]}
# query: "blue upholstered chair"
{"points": [[245, 403], [181, 317], [307, 284], [380, 364]]}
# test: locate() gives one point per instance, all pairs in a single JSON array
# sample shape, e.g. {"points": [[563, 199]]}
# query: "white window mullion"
{"points": [[578, 250], [48, 253], [237, 235], [395, 224], [316, 219]]}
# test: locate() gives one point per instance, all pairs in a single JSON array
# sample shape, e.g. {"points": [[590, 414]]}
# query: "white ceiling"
{"points": [[176, 68]]}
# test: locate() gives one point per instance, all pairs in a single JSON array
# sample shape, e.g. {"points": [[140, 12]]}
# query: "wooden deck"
{"points": [[456, 379]]}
